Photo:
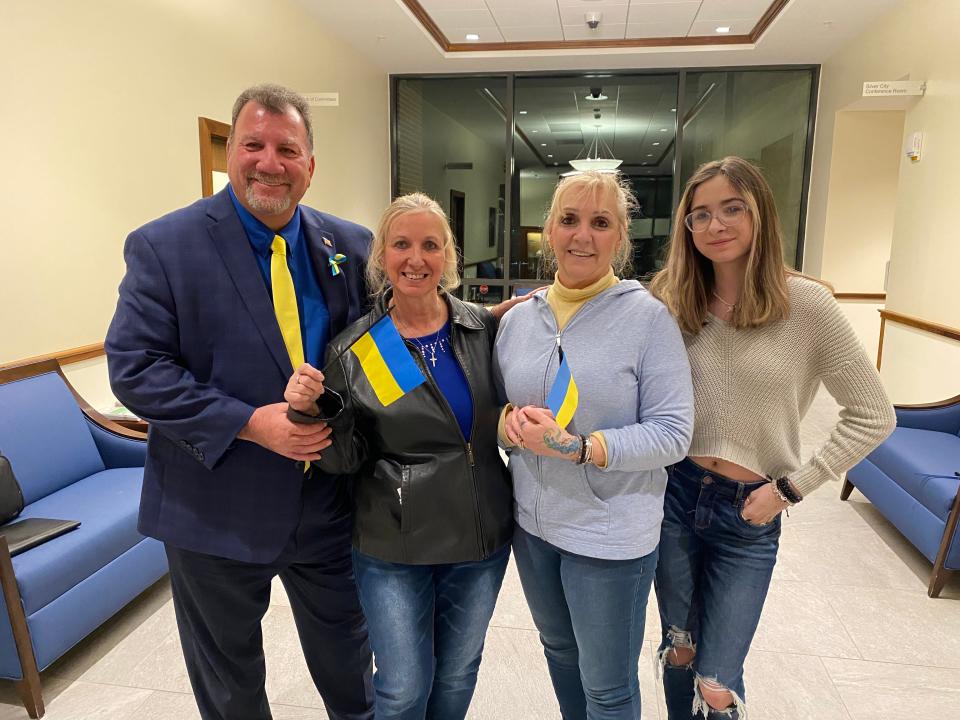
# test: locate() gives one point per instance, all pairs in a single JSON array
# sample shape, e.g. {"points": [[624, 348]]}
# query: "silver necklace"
{"points": [[730, 308], [432, 347]]}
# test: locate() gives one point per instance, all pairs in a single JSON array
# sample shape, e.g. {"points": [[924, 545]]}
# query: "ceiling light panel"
{"points": [[709, 27]]}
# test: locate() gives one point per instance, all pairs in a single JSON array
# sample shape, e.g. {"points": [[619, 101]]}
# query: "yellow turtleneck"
{"points": [[565, 302]]}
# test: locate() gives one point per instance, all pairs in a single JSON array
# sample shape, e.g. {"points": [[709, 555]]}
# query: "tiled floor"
{"points": [[848, 633]]}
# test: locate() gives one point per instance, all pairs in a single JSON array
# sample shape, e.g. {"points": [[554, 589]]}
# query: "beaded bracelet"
{"points": [[581, 458], [785, 492]]}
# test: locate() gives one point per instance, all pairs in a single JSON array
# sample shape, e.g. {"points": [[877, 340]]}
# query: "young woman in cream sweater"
{"points": [[761, 340]]}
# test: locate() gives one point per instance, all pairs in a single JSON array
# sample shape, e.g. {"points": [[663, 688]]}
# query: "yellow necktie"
{"points": [[285, 301], [285, 305]]}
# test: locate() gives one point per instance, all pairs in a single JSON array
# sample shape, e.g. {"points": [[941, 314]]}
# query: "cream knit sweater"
{"points": [[753, 386]]}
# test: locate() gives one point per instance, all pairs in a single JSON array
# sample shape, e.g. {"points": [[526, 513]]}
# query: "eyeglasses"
{"points": [[729, 215]]}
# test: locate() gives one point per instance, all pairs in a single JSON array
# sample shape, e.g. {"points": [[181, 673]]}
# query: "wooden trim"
{"points": [[209, 129], [63, 357], [883, 327], [423, 17], [939, 575], [946, 331], [875, 297], [29, 688], [766, 19], [23, 370], [955, 400]]}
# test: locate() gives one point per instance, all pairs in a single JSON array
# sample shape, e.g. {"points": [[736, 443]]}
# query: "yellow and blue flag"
{"points": [[386, 362], [563, 397]]}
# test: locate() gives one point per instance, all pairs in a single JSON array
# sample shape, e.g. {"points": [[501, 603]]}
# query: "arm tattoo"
{"points": [[553, 439]]}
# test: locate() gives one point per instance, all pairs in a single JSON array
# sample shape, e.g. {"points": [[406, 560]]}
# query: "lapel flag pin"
{"points": [[326, 241]]}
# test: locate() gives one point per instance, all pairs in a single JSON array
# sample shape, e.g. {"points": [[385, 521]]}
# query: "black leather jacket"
{"points": [[423, 495]]}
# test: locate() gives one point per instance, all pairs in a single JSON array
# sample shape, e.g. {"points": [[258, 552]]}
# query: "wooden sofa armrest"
{"points": [[28, 688], [30, 369], [930, 406]]}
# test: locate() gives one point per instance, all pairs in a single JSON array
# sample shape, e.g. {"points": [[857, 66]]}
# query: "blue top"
{"points": [[448, 375], [314, 317]]}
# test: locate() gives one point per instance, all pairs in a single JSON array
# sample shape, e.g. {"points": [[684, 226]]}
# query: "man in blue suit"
{"points": [[196, 349]]}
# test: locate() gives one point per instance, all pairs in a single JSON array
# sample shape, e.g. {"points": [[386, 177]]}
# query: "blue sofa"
{"points": [[913, 478], [72, 464]]}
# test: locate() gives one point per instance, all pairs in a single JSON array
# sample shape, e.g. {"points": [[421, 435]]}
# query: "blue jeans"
{"points": [[427, 624], [590, 614], [712, 580]]}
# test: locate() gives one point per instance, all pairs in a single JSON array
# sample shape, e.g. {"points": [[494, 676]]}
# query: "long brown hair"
{"points": [[687, 281]]}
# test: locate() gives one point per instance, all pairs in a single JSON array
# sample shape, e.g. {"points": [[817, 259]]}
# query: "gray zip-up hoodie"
{"points": [[630, 365]]}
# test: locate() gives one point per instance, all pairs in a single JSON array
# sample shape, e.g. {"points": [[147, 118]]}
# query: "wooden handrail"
{"points": [[946, 331], [876, 297], [63, 357]]}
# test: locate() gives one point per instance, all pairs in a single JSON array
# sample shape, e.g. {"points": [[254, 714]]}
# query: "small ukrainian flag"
{"points": [[386, 362], [563, 397]]}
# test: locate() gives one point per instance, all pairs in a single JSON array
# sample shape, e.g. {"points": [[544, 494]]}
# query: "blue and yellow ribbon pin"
{"points": [[335, 263]]}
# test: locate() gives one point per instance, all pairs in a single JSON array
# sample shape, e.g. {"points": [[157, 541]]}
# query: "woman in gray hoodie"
{"points": [[600, 400]]}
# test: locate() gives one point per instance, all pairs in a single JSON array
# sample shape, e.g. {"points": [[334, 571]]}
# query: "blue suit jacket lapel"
{"points": [[333, 287], [231, 242]]}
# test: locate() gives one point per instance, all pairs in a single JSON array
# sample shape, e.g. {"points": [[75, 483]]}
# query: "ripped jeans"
{"points": [[711, 582]]}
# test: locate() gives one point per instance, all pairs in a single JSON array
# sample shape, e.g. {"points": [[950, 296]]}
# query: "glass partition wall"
{"points": [[491, 150]]}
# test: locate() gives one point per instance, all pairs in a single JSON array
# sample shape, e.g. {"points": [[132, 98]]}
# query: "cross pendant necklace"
{"points": [[432, 347], [433, 354]]}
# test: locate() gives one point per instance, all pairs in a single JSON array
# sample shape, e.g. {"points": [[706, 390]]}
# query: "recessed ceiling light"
{"points": [[543, 144], [673, 109], [650, 155], [550, 156], [656, 143], [523, 112], [664, 130], [534, 131], [474, 36], [723, 29]]}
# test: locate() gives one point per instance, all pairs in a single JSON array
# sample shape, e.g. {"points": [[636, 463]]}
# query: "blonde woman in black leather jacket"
{"points": [[433, 500]]}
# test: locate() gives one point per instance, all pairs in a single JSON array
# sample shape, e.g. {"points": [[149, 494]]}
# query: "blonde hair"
{"points": [[596, 185], [686, 282], [403, 205]]}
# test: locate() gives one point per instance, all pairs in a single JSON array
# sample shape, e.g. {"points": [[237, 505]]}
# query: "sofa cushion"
{"points": [[45, 435], [106, 504], [923, 463]]}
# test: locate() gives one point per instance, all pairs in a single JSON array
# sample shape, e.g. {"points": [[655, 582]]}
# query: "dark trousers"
{"points": [[219, 604]]}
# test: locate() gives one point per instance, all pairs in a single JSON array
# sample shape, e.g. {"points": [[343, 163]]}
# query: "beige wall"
{"points": [[100, 135], [864, 316], [862, 199], [917, 41]]}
